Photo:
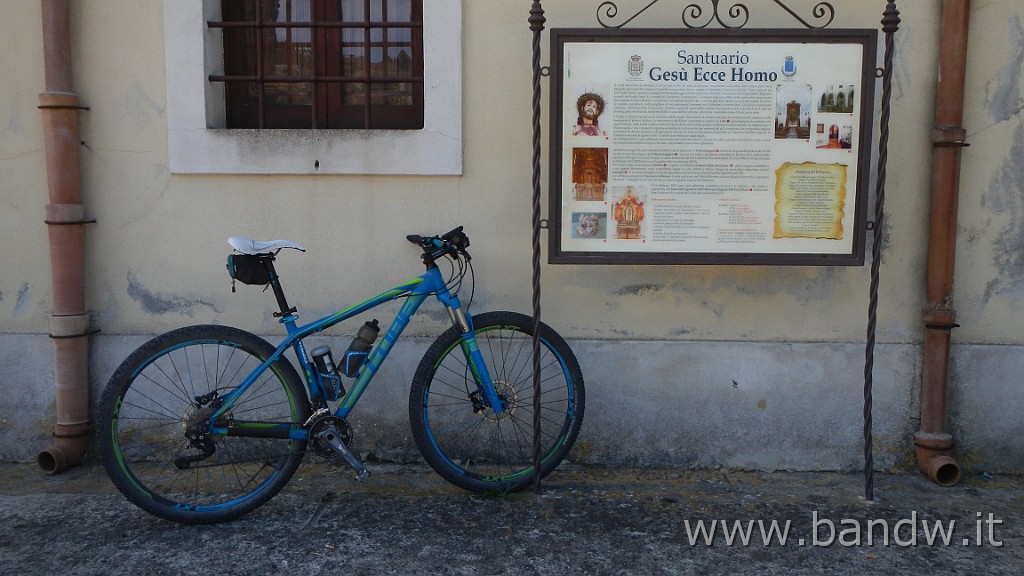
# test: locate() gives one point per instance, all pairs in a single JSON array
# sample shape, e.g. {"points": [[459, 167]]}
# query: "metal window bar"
{"points": [[367, 60], [316, 78], [316, 24], [315, 37], [260, 86], [366, 80]]}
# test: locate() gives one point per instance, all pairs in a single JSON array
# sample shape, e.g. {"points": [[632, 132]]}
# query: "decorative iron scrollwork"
{"points": [[738, 14], [610, 10], [822, 11], [727, 15]]}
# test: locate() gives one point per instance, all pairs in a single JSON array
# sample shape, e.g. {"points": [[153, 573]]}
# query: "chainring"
{"points": [[321, 423]]}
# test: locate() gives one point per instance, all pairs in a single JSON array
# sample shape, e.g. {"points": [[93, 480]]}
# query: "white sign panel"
{"points": [[747, 148]]}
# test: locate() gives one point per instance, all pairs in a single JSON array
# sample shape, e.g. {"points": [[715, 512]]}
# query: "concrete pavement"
{"points": [[406, 520]]}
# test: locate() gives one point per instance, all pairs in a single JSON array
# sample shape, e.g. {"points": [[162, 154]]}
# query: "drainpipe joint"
{"points": [[934, 460]]}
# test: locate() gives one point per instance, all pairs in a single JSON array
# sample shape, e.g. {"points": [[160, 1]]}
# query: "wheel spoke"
{"points": [[156, 446]]}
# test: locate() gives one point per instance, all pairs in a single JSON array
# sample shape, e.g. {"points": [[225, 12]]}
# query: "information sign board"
{"points": [[710, 146]]}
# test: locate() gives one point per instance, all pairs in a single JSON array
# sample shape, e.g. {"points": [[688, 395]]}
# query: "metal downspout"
{"points": [[933, 443], [65, 219]]}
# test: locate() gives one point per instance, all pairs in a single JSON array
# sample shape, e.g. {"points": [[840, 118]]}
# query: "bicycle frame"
{"points": [[416, 291]]}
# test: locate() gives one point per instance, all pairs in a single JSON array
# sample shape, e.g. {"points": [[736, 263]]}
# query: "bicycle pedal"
{"points": [[332, 439]]}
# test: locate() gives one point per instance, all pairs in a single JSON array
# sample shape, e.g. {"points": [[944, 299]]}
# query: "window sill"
{"points": [[194, 147], [222, 151]]}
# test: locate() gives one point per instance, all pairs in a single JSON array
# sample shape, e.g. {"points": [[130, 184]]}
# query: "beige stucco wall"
{"points": [[155, 256]]}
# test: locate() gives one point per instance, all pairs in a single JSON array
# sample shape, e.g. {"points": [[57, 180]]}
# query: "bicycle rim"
{"points": [[157, 459], [480, 450]]}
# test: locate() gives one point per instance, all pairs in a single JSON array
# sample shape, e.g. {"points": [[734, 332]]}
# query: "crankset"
{"points": [[330, 435]]}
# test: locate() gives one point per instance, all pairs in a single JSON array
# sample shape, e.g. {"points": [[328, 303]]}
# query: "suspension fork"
{"points": [[474, 359]]}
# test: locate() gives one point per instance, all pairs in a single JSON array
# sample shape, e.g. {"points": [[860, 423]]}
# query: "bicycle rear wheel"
{"points": [[154, 445], [465, 441]]}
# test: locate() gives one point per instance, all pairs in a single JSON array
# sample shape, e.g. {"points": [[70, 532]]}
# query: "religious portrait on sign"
{"points": [[589, 107]]}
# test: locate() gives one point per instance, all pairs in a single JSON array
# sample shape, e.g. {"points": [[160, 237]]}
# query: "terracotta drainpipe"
{"points": [[65, 219], [933, 443]]}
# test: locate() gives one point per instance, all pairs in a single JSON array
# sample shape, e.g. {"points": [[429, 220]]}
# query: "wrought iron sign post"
{"points": [[537, 27], [827, 225]]}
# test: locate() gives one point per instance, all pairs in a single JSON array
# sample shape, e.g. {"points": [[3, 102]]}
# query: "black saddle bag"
{"points": [[248, 269]]}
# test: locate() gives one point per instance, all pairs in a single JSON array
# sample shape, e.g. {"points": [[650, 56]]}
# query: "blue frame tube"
{"points": [[416, 290]]}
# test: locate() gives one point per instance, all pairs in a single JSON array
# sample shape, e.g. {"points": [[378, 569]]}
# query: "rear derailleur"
{"points": [[194, 424]]}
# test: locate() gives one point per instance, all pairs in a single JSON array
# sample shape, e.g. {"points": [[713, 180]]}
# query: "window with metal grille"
{"points": [[345, 64]]}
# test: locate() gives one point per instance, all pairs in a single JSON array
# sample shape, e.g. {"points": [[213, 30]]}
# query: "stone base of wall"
{"points": [[762, 406]]}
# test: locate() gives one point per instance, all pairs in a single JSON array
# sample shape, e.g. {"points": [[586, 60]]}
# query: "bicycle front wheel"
{"points": [[152, 436], [462, 438]]}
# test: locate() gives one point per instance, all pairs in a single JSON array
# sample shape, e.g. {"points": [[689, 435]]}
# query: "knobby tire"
{"points": [[470, 445], [152, 405]]}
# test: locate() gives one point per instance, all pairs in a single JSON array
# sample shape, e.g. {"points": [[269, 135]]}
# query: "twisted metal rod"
{"points": [[890, 24], [537, 21]]}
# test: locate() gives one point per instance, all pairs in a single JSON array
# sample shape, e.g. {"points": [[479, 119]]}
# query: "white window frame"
{"points": [[198, 142]]}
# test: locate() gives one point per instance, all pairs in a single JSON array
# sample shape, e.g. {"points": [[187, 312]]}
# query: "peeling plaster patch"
{"points": [[159, 304], [21, 303], [1003, 92], [715, 309], [814, 286], [638, 290], [1005, 195]]}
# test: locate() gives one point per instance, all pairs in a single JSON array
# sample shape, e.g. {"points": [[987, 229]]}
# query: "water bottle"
{"points": [[360, 347], [329, 377]]}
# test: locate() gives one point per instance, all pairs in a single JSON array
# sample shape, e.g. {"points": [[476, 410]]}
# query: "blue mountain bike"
{"points": [[206, 423]]}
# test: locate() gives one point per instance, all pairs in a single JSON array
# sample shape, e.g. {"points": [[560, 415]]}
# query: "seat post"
{"points": [[275, 283]]}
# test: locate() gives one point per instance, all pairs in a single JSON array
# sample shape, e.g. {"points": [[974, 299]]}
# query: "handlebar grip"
{"points": [[452, 234], [452, 242]]}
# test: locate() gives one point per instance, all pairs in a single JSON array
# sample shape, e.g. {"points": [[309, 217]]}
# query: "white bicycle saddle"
{"points": [[247, 246]]}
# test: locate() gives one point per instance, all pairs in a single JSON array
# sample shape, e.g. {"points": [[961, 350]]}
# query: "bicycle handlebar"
{"points": [[452, 243]]}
